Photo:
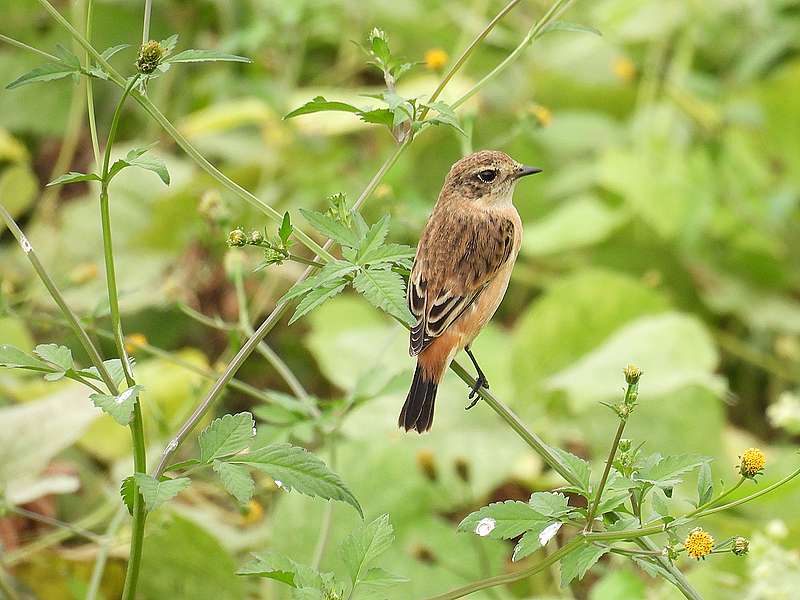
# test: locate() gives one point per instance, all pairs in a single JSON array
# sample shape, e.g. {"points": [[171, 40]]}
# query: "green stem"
{"points": [[753, 496], [678, 579], [102, 555], [71, 317], [24, 46], [90, 88], [305, 261], [34, 516], [327, 517], [504, 579], [611, 454], [148, 8], [718, 499]]}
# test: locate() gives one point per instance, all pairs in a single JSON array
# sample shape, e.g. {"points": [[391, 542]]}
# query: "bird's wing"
{"points": [[456, 259]]}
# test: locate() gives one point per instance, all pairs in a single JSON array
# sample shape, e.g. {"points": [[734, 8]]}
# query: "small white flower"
{"points": [[485, 526], [549, 532], [125, 395]]}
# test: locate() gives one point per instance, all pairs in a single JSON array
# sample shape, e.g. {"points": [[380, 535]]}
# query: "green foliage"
{"points": [[156, 492], [136, 158], [67, 65], [359, 549], [577, 563], [120, 407], [226, 436], [236, 480]]}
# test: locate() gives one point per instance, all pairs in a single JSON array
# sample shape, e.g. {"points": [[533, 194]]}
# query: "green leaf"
{"points": [[569, 26], [316, 298], [225, 436], [169, 44], [14, 358], [374, 239], [660, 502], [119, 407], [579, 561], [378, 577], [47, 72], [320, 104], [446, 116], [705, 484], [550, 504], [272, 565], [611, 500], [236, 479], [188, 56], [135, 158], [530, 542], [286, 229], [109, 52], [388, 253], [384, 289], [667, 472], [330, 228], [114, 368], [155, 492], [74, 177], [60, 356], [511, 518], [298, 469], [378, 116], [128, 492], [578, 467], [333, 272], [365, 544]]}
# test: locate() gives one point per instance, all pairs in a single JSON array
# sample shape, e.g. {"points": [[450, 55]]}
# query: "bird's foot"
{"points": [[480, 382]]}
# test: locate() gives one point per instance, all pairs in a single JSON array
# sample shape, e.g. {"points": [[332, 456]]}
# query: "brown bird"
{"points": [[461, 272]]}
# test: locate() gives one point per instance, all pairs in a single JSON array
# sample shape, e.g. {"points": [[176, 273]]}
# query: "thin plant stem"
{"points": [[327, 519], [90, 88], [507, 578], [24, 46], [148, 8], [718, 499], [69, 315], [678, 579], [611, 454], [102, 555], [34, 516]]}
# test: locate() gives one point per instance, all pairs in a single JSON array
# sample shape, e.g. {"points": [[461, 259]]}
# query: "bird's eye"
{"points": [[487, 176]]}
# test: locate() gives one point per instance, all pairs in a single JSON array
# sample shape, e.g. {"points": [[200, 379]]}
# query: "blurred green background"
{"points": [[665, 231]]}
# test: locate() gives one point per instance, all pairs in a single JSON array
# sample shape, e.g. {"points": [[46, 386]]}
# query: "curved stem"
{"points": [[718, 499], [489, 582], [90, 88]]}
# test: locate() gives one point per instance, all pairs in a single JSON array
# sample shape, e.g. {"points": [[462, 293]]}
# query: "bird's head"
{"points": [[487, 177]]}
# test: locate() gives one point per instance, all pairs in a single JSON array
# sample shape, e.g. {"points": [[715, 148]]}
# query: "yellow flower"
{"points": [[134, 341], [752, 463], [541, 114], [632, 374], [150, 55], [436, 58], [699, 543], [624, 69]]}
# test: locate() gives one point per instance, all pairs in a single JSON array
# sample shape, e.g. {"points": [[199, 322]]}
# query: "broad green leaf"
{"points": [[332, 273], [667, 472], [579, 561], [272, 565], [378, 577], [295, 468], [169, 43], [330, 228], [388, 253], [320, 104], [511, 518], [74, 177], [136, 158], [14, 358], [374, 239], [384, 289], [127, 492], [226, 435], [530, 542], [445, 116], [236, 479], [577, 466], [660, 502], [316, 298], [365, 544], [119, 407], [46, 72], [155, 492], [612, 499], [378, 116], [188, 56], [550, 504], [568, 26], [705, 484], [60, 356]]}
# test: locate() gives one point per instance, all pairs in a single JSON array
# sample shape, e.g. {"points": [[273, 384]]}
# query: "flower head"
{"points": [[485, 526], [752, 462], [435, 59], [256, 237], [699, 543], [632, 374], [150, 55], [740, 546], [236, 238]]}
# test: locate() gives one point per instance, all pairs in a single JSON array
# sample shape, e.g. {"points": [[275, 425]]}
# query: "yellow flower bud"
{"points": [[752, 462], [150, 55]]}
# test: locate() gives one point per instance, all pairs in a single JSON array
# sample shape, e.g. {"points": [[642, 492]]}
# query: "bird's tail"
{"points": [[417, 411]]}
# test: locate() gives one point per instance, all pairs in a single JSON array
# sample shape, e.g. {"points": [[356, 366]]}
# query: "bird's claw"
{"points": [[480, 382]]}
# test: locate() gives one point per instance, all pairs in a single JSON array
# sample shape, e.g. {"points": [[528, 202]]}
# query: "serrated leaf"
{"points": [[74, 177], [705, 484], [445, 116], [388, 253], [114, 368], [14, 358], [169, 43], [298, 469], [333, 272], [578, 467], [569, 26], [378, 577], [320, 104], [330, 228], [286, 229], [377, 116], [365, 544], [611, 500], [236, 479], [550, 504], [127, 492], [511, 518], [316, 298], [60, 356], [530, 542], [155, 493], [272, 565], [667, 471], [119, 407], [374, 239], [136, 158], [188, 56], [226, 435], [578, 562], [384, 289], [660, 502], [47, 72]]}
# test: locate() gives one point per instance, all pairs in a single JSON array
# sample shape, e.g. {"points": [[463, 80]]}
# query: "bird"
{"points": [[460, 273]]}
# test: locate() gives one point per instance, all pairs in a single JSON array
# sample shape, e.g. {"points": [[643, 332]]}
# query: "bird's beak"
{"points": [[524, 170]]}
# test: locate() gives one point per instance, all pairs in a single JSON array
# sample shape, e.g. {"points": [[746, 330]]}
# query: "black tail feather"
{"points": [[417, 411]]}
